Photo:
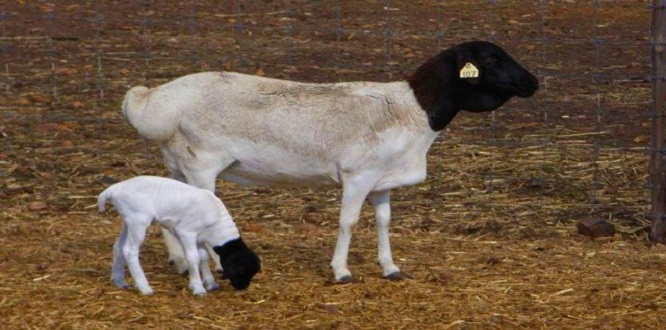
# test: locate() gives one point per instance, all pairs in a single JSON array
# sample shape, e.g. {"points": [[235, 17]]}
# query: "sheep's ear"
{"points": [[468, 70]]}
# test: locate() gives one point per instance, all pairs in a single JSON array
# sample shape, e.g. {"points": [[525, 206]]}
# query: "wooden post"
{"points": [[657, 154]]}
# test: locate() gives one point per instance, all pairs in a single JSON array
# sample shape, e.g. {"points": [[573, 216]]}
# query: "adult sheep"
{"points": [[369, 137]]}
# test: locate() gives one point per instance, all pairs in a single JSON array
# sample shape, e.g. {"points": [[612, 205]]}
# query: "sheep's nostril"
{"points": [[529, 82]]}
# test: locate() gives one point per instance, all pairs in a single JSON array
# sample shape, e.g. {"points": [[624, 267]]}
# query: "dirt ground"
{"points": [[489, 238]]}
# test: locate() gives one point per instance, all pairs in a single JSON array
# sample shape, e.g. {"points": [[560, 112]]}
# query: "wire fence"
{"points": [[66, 64]]}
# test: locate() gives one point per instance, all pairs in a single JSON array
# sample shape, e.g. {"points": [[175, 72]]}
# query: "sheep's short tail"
{"points": [[151, 113], [102, 198]]}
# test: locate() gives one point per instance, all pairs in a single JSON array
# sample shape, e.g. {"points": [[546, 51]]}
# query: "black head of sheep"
{"points": [[239, 263], [476, 76]]}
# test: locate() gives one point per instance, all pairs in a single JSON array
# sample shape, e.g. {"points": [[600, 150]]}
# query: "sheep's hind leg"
{"points": [[175, 250], [382, 204], [202, 174], [136, 235], [119, 262], [176, 254]]}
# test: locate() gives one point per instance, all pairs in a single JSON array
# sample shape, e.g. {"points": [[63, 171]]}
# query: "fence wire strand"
{"points": [[315, 41]]}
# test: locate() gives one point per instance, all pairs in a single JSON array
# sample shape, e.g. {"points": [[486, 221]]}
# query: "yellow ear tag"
{"points": [[469, 71]]}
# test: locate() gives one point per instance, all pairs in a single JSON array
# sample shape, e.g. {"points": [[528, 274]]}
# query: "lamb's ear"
{"points": [[468, 69]]}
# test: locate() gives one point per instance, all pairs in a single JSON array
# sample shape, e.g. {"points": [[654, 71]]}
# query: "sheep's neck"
{"points": [[435, 94], [442, 114], [228, 249]]}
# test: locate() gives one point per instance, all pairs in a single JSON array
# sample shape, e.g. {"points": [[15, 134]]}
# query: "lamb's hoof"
{"points": [[398, 276], [147, 293], [121, 284], [212, 287], [179, 267], [345, 280]]}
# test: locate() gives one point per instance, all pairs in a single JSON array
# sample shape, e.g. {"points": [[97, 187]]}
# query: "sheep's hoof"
{"points": [[212, 287], [121, 284], [180, 267], [345, 280], [398, 276]]}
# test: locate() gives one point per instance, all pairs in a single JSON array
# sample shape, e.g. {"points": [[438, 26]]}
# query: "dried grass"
{"points": [[489, 237]]}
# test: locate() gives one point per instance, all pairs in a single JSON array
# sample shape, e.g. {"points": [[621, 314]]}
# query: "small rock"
{"points": [[595, 227], [253, 227], [330, 308], [36, 206]]}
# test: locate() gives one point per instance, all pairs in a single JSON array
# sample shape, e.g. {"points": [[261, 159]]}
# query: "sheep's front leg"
{"points": [[350, 209], [193, 262], [135, 237], [175, 250], [216, 261], [202, 173], [206, 274], [382, 203]]}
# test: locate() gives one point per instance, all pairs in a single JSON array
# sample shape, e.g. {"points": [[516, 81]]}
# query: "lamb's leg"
{"points": [[176, 254], [206, 274], [119, 262], [137, 227], [202, 174], [216, 260], [382, 203], [175, 250], [350, 209], [193, 261]]}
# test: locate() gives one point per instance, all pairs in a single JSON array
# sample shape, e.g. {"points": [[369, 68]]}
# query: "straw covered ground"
{"points": [[490, 238]]}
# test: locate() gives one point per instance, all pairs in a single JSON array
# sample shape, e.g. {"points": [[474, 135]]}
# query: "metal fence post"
{"points": [[657, 173]]}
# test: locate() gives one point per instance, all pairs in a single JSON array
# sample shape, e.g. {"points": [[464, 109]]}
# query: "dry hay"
{"points": [[489, 237], [506, 258]]}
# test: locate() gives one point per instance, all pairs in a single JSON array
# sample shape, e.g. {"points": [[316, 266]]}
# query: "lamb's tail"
{"points": [[103, 197], [151, 113]]}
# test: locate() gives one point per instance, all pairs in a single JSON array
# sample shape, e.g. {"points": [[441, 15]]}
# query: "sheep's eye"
{"points": [[489, 59]]}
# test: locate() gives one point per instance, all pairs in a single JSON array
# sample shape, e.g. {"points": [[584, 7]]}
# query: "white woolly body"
{"points": [[369, 137], [266, 131], [174, 205], [194, 216]]}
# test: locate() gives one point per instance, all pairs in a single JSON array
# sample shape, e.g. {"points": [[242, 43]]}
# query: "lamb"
{"points": [[368, 137], [194, 216]]}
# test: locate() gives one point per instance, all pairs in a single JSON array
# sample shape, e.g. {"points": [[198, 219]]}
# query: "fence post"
{"points": [[657, 171]]}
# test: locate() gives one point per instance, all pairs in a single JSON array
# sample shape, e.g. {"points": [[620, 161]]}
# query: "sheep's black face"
{"points": [[500, 77], [475, 76], [239, 263]]}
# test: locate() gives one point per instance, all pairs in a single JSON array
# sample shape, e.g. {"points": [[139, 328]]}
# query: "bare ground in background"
{"points": [[489, 237]]}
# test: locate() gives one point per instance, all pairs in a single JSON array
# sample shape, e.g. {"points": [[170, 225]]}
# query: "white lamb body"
{"points": [[195, 216]]}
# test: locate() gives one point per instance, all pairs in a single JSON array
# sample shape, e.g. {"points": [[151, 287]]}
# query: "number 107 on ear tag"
{"points": [[469, 71]]}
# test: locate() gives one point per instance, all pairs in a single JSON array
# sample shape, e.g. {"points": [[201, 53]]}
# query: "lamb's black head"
{"points": [[488, 77], [475, 76], [239, 263]]}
